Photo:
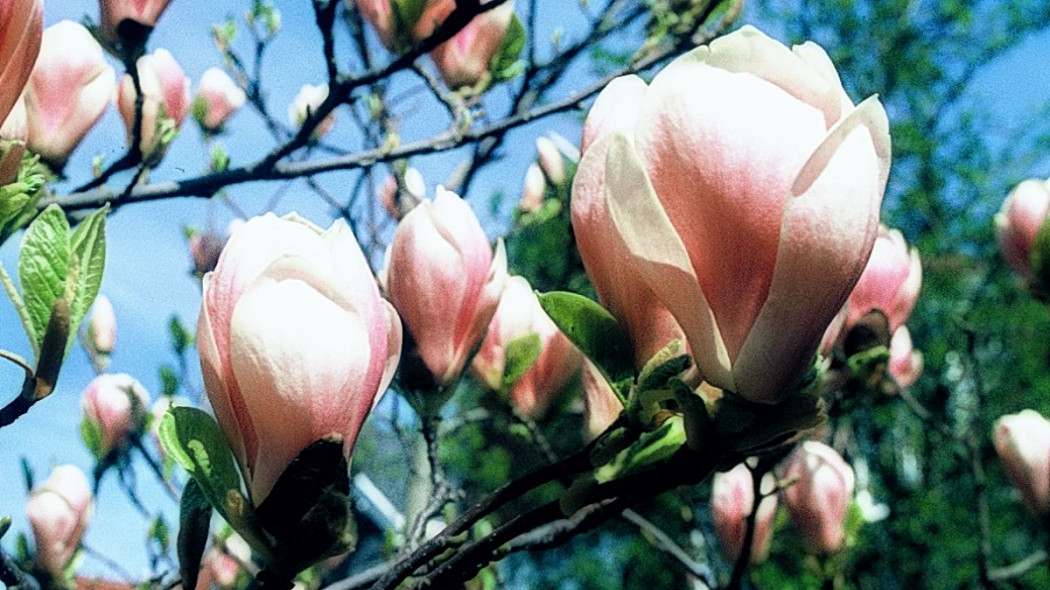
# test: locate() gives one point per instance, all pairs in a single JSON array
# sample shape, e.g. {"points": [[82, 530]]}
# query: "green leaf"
{"points": [[42, 268], [160, 532], [194, 520], [180, 336], [169, 380], [593, 330], [91, 434], [88, 252], [505, 64], [522, 353]]}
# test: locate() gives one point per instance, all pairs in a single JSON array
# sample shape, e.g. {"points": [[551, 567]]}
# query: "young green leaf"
{"points": [[194, 518], [593, 330], [522, 353], [42, 268]]}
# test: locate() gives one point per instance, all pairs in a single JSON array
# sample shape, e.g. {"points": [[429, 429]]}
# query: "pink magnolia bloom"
{"points": [[218, 97], [534, 189], [890, 282], [21, 28], [391, 195], [464, 59], [166, 98], [1022, 441], [118, 405], [551, 160], [906, 363], [444, 281], [744, 190], [1018, 222], [732, 499], [102, 326], [112, 12], [820, 497], [295, 342], [13, 136], [58, 511], [601, 406], [519, 314], [305, 102], [380, 14], [68, 91]]}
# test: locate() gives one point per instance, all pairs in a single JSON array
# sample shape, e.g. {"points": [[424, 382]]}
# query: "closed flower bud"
{"points": [[464, 59], [445, 282], [117, 404], [395, 200], [519, 314], [58, 511], [906, 363], [752, 251], [534, 190], [551, 160], [217, 98], [1022, 441], [379, 14], [732, 499], [112, 12], [69, 90], [205, 248], [1016, 225], [165, 103], [102, 327], [21, 28], [820, 496], [601, 406], [13, 136], [309, 98], [295, 342], [890, 282]]}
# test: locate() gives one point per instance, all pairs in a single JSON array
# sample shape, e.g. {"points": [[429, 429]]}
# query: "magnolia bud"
{"points": [[397, 201], [165, 102], [890, 282], [732, 499], [535, 187], [601, 406], [310, 97], [464, 59], [217, 98], [112, 12], [59, 511], [905, 362], [21, 26], [102, 327], [820, 496], [1022, 441], [551, 160], [13, 136], [205, 248], [116, 404], [1018, 222]]}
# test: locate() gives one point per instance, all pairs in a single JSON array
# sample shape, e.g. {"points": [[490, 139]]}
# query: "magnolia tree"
{"points": [[662, 370]]}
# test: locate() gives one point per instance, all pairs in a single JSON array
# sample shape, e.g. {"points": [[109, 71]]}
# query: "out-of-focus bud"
{"points": [[732, 499], [1022, 441], [551, 160], [102, 327], [222, 565], [117, 405], [820, 497], [218, 97], [519, 314], [380, 14], [58, 511], [309, 98], [464, 59], [535, 187], [13, 136], [1017, 224], [890, 282], [68, 91], [112, 12], [444, 281], [669, 190], [295, 342], [165, 103], [906, 363], [395, 200], [601, 406], [205, 248], [21, 28]]}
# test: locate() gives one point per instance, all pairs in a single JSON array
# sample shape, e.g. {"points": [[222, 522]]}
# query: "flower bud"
{"points": [[732, 499], [68, 91], [309, 98], [551, 160], [223, 565], [13, 136], [117, 404], [395, 200], [218, 97], [59, 511], [890, 282], [820, 496], [380, 14], [295, 342], [464, 59], [165, 102], [1022, 441], [519, 314], [205, 248], [21, 28], [535, 188], [906, 363], [752, 252], [1017, 224], [102, 327], [444, 281], [601, 406], [112, 12]]}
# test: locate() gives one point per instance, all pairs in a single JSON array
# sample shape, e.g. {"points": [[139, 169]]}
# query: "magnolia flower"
{"points": [[519, 314], [906, 363], [732, 499], [1018, 222], [102, 326], [380, 14], [306, 102], [295, 342], [601, 406], [58, 511], [890, 282], [444, 281], [218, 97], [166, 101], [820, 496], [21, 28], [117, 405], [13, 136], [464, 59], [740, 192], [551, 160], [112, 12], [534, 189], [1022, 441], [68, 91]]}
